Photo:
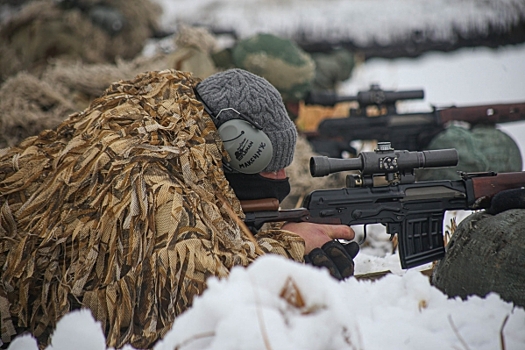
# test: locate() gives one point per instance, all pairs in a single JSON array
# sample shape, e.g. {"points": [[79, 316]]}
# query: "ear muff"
{"points": [[249, 148]]}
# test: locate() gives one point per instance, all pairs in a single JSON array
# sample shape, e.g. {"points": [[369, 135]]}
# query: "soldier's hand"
{"points": [[336, 257], [315, 235]]}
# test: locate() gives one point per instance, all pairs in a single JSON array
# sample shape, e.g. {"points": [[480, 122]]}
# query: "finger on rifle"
{"points": [[340, 232], [317, 257]]}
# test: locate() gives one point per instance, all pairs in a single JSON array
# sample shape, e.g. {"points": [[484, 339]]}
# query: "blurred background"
{"points": [[459, 52]]}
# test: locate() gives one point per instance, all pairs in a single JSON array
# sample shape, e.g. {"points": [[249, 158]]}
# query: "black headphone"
{"points": [[250, 149]]}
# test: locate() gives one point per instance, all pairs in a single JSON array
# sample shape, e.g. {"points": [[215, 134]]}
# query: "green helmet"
{"points": [[483, 148], [280, 61]]}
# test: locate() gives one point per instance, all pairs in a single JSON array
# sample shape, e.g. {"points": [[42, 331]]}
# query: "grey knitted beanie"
{"points": [[259, 101]]}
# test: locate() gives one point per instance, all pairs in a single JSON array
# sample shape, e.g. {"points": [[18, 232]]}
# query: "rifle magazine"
{"points": [[421, 240]]}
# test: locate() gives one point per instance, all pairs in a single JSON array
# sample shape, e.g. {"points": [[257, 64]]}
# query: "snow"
{"points": [[279, 304], [360, 20], [352, 314]]}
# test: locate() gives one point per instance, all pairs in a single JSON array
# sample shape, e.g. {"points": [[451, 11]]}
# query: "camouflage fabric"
{"points": [[29, 105], [194, 49], [44, 29], [485, 255], [279, 60], [123, 209], [483, 148], [332, 68]]}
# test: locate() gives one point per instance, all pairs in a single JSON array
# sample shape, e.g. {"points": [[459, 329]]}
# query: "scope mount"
{"points": [[391, 175]]}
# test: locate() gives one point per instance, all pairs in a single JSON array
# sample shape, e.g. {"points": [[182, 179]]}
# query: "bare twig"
{"points": [[463, 342], [348, 339], [451, 229], [501, 336], [195, 337], [260, 318]]}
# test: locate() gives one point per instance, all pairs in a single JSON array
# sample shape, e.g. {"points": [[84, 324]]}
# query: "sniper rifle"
{"points": [[384, 191], [410, 131]]}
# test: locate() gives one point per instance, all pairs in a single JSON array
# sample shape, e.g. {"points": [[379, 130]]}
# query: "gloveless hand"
{"points": [[316, 235]]}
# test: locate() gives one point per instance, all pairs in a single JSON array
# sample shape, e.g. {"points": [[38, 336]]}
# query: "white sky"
{"points": [[401, 311]]}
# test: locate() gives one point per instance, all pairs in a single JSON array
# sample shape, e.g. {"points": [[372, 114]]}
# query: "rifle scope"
{"points": [[384, 160], [374, 96], [378, 97]]}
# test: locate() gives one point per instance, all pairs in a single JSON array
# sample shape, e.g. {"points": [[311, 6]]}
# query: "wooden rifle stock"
{"points": [[485, 114], [259, 211], [410, 131], [486, 185], [265, 204]]}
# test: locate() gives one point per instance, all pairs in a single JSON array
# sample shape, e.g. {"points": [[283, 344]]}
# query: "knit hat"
{"points": [[259, 101], [281, 61]]}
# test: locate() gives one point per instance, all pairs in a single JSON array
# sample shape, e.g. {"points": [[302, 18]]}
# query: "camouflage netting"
{"points": [[27, 106], [42, 30], [483, 148], [485, 254], [194, 49], [30, 105], [123, 208]]}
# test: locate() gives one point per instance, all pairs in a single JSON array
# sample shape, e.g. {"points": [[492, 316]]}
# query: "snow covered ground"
{"points": [[362, 21], [278, 304]]}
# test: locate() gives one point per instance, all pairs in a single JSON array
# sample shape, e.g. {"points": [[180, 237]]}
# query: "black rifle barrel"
{"points": [[381, 162]]}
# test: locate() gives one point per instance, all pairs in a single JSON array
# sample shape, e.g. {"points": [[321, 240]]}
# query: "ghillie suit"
{"points": [[83, 82], [124, 209], [194, 49], [29, 104], [91, 31]]}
